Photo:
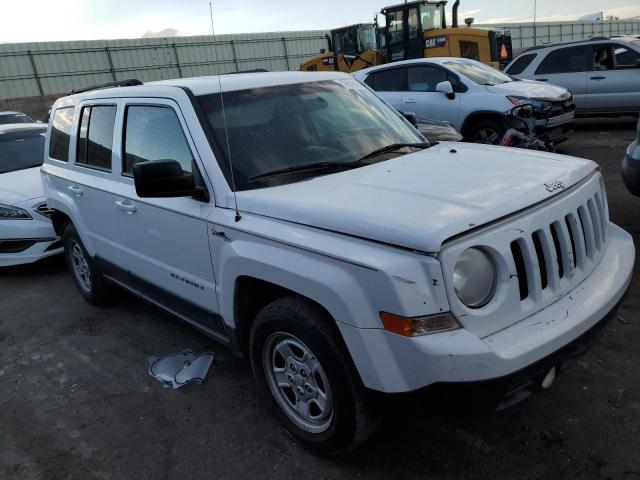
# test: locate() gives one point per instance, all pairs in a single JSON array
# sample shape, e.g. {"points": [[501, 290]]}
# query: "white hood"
{"points": [[20, 186], [421, 199], [532, 89]]}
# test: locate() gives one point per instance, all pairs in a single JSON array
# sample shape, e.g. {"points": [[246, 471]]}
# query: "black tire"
{"points": [[486, 131], [352, 420], [96, 290]]}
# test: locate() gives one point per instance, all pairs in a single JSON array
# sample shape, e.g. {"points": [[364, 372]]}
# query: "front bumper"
{"points": [[631, 168], [391, 363], [27, 241], [554, 130]]}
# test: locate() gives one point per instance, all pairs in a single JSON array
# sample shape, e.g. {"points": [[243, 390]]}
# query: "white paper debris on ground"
{"points": [[176, 370]]}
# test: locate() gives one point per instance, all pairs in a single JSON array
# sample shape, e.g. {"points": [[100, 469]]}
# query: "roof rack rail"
{"points": [[568, 42], [130, 82]]}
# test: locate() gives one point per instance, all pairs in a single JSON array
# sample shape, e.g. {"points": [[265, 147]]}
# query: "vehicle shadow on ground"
{"points": [[604, 123]]}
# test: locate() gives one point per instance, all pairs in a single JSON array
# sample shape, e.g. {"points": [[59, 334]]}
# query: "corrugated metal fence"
{"points": [[33, 69], [523, 34]]}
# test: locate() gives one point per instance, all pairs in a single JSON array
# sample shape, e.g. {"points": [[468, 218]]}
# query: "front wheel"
{"points": [[85, 273], [486, 131], [301, 363]]}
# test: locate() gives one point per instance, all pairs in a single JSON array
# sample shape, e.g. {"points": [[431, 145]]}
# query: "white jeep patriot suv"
{"points": [[303, 222]]}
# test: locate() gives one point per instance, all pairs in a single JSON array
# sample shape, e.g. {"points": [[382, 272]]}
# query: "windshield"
{"points": [[478, 72], [366, 38], [21, 150], [431, 16], [14, 118], [289, 126]]}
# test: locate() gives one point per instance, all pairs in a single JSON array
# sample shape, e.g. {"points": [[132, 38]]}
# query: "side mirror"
{"points": [[411, 117], [164, 178], [446, 88]]}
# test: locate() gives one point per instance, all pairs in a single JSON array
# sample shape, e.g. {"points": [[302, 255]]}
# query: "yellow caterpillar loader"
{"points": [[416, 29], [351, 48], [419, 30]]}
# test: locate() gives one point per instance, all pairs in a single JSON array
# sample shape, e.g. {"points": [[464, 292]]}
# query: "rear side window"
{"points": [[388, 80], [565, 60], [154, 133], [425, 79], [521, 63], [95, 138], [61, 133]]}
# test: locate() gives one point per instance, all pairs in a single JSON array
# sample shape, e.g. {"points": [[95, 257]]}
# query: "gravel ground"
{"points": [[76, 401]]}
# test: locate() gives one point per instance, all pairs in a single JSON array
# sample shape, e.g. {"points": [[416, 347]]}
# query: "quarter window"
{"points": [[61, 133], [154, 133], [425, 79], [95, 138], [565, 60]]}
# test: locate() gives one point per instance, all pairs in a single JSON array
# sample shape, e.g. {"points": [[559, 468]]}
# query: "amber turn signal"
{"points": [[415, 326]]}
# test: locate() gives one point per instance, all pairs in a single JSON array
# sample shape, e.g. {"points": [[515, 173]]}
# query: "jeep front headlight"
{"points": [[474, 278], [7, 212]]}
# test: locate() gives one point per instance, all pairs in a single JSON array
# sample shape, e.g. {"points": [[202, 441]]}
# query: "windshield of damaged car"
{"points": [[20, 150], [287, 127], [478, 72]]}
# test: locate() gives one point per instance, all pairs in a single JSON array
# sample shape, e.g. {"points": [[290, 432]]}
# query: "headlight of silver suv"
{"points": [[474, 278], [8, 212]]}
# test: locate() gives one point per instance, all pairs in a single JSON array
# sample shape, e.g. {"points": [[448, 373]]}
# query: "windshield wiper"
{"points": [[393, 147], [310, 167]]}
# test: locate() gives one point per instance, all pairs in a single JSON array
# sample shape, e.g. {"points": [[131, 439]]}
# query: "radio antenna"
{"points": [[226, 134]]}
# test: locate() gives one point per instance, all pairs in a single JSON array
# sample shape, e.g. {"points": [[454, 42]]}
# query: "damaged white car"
{"points": [[302, 221]]}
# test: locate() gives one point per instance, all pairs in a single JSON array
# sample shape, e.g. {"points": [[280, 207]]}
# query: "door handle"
{"points": [[598, 78], [410, 100], [77, 191], [542, 79], [126, 207]]}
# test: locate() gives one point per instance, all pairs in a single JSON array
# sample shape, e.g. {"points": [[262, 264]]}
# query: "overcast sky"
{"points": [[48, 20]]}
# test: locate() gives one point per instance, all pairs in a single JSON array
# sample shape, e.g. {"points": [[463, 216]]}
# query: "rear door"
{"points": [[389, 85], [568, 68], [420, 95], [163, 242], [613, 83]]}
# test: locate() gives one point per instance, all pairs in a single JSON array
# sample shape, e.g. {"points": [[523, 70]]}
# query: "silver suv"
{"points": [[602, 73]]}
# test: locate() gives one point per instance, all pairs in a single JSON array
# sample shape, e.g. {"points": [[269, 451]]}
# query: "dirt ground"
{"points": [[76, 401]]}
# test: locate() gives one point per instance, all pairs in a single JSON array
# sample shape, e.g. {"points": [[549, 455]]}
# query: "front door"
{"points": [[421, 97], [567, 67], [163, 242], [613, 82]]}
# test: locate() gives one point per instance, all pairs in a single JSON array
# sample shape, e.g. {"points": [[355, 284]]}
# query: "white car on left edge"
{"points": [[26, 232]]}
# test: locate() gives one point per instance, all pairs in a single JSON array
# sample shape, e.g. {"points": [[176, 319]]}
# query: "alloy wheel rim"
{"points": [[488, 136], [298, 382], [80, 267]]}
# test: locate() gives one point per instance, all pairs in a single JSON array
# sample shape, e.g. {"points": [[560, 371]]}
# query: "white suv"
{"points": [[473, 97], [354, 256]]}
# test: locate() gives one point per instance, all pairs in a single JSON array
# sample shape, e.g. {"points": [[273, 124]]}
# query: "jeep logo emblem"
{"points": [[554, 185]]}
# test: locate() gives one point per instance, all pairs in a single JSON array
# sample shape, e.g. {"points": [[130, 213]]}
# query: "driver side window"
{"points": [[154, 132]]}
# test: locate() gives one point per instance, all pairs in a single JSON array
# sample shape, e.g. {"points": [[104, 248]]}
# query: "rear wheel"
{"points": [[486, 131], [301, 363], [86, 275]]}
